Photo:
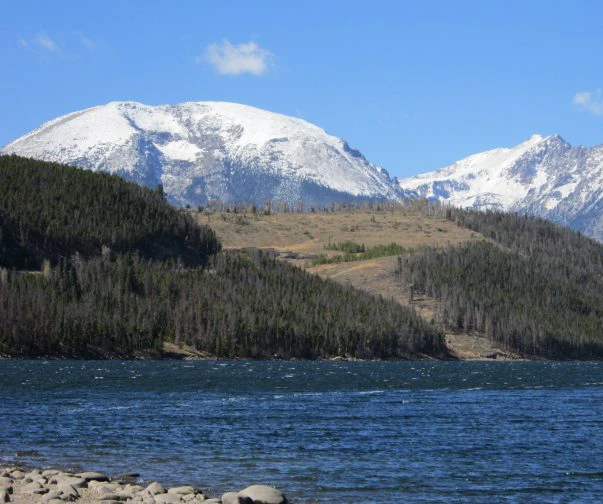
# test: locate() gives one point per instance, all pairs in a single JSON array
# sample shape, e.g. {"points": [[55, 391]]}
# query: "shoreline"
{"points": [[20, 484]]}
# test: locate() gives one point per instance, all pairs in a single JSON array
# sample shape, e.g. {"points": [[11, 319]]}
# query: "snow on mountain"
{"points": [[211, 151], [543, 176]]}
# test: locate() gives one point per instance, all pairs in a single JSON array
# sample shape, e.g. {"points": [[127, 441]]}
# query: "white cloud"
{"points": [[45, 42], [230, 59], [590, 101]]}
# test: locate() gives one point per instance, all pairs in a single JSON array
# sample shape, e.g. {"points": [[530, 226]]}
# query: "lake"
{"points": [[378, 432]]}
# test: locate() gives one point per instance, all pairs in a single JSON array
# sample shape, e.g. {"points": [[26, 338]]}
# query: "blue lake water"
{"points": [[378, 432]]}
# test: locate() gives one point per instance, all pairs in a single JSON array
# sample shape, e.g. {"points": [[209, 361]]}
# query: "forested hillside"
{"points": [[247, 305], [49, 211], [536, 287], [114, 270]]}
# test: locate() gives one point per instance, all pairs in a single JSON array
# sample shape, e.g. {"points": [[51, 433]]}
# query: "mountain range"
{"points": [[543, 176], [228, 152], [203, 151]]}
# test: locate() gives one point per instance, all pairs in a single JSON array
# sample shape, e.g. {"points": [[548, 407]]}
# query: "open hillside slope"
{"points": [[208, 151], [543, 176]]}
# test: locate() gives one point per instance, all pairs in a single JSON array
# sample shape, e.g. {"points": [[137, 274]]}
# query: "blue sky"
{"points": [[415, 85]]}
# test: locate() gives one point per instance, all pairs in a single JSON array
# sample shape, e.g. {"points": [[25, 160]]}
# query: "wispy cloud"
{"points": [[41, 45], [230, 59], [591, 101], [43, 41]]}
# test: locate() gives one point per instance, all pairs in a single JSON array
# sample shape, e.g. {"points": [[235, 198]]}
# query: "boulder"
{"points": [[17, 474], [90, 476], [262, 494], [34, 488], [51, 495], [183, 490], [72, 481], [69, 492], [155, 489], [230, 498], [104, 488], [167, 498]]}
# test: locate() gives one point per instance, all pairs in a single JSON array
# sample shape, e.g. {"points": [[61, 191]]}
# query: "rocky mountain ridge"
{"points": [[543, 176]]}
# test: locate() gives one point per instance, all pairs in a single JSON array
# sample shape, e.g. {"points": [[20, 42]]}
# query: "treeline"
{"points": [[49, 211], [244, 304], [532, 286]]}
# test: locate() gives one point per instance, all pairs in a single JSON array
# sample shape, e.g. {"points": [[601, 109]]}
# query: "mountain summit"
{"points": [[204, 151], [543, 176]]}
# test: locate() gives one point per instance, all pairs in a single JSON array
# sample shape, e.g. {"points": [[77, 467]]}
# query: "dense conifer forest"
{"points": [[99, 282], [531, 286], [49, 211]]}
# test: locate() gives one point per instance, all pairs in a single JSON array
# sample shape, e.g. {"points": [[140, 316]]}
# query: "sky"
{"points": [[414, 85]]}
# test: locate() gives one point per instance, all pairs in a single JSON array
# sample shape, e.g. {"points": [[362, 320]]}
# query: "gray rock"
{"points": [[50, 472], [90, 476], [105, 488], [73, 481], [262, 494], [133, 489], [167, 498], [212, 501], [69, 492], [155, 489], [183, 490], [4, 495], [34, 488], [5, 480], [114, 497], [17, 475], [52, 495], [230, 498], [6, 488], [193, 498], [55, 501]]}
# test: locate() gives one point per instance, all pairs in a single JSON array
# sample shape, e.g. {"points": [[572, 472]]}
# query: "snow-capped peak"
{"points": [[544, 176], [210, 150]]}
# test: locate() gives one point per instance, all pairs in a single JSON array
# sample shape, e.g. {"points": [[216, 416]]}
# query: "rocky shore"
{"points": [[32, 486]]}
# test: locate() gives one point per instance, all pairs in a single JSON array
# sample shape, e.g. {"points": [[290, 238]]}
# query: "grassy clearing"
{"points": [[311, 233], [371, 253]]}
